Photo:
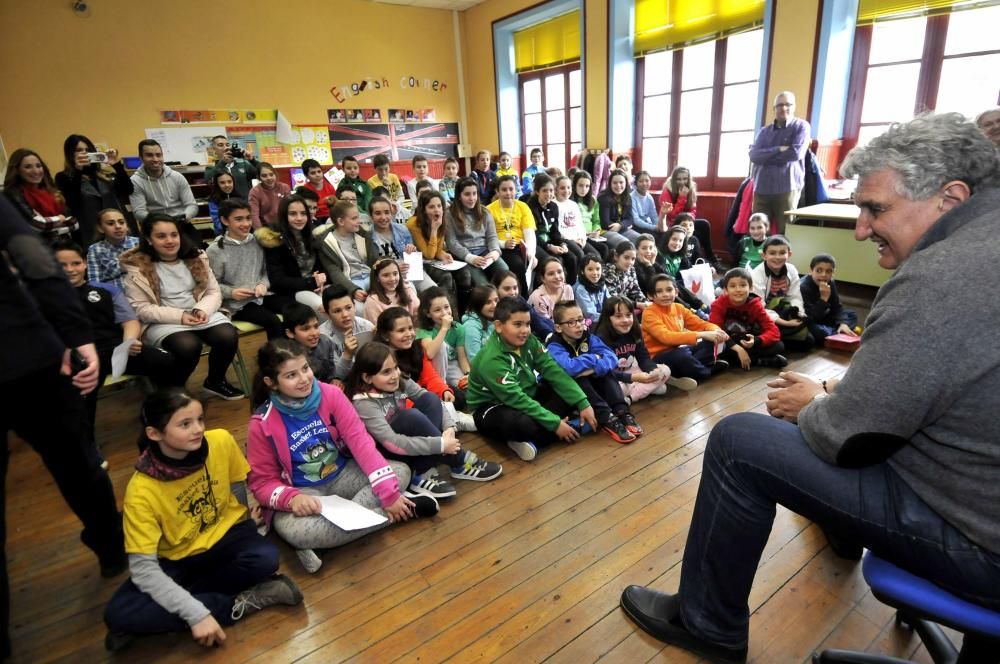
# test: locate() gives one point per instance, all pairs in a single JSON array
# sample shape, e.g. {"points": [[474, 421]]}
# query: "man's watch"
{"points": [[819, 395]]}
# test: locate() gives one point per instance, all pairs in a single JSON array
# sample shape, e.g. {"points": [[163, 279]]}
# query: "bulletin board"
{"points": [[185, 144]]}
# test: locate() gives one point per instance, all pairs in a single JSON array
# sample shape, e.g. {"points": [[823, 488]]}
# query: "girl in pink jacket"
{"points": [[306, 441]]}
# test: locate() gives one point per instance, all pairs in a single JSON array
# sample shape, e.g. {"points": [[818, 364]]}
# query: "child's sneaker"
{"points": [[582, 427], [685, 383], [276, 590], [430, 484], [618, 431], [661, 389], [775, 362], [423, 505], [628, 419], [718, 366], [463, 421], [476, 469], [310, 560], [523, 449]]}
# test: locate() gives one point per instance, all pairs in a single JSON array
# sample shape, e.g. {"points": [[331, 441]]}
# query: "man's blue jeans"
{"points": [[753, 462]]}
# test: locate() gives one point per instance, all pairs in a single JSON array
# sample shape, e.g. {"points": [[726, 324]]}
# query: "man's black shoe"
{"points": [[658, 615]]}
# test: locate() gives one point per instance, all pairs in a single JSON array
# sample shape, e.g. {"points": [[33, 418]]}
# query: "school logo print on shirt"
{"points": [[322, 461], [197, 503]]}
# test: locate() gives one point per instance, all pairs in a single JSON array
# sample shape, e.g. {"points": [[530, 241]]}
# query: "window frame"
{"points": [[540, 75], [928, 80], [711, 181]]}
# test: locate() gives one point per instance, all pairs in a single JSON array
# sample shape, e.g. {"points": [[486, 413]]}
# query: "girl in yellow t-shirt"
{"points": [[196, 560], [515, 229]]}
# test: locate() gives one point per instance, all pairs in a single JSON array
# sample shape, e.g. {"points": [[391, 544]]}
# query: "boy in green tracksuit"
{"points": [[351, 168], [509, 403]]}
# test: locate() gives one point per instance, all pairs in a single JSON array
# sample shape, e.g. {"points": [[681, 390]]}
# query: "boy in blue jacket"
{"points": [[592, 365]]}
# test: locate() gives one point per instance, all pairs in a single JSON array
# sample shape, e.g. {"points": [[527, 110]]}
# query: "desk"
{"points": [[857, 262]]}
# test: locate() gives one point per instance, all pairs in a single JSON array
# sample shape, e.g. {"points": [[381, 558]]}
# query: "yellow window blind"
{"points": [[663, 24], [553, 42], [870, 11]]}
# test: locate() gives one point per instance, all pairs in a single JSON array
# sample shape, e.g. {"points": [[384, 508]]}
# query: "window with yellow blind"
{"points": [[547, 58], [698, 108], [912, 56]]}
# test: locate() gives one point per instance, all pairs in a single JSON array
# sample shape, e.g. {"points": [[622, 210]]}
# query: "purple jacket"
{"points": [[270, 476], [774, 171]]}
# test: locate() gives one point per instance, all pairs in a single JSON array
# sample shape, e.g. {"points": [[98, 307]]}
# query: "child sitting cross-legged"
{"points": [[196, 558], [754, 339], [822, 302], [593, 365], [409, 424], [306, 441], [777, 282], [638, 375], [510, 403], [443, 340], [678, 338]]}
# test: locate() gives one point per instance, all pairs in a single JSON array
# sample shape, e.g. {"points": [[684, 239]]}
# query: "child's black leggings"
{"points": [[604, 394], [499, 422], [186, 349]]}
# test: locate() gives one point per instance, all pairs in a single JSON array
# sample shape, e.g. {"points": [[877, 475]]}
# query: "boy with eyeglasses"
{"points": [[592, 365]]}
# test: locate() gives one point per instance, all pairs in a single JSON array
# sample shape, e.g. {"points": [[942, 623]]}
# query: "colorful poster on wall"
{"points": [[219, 116], [336, 116], [259, 115], [428, 115], [397, 141], [308, 142], [397, 115], [373, 115]]}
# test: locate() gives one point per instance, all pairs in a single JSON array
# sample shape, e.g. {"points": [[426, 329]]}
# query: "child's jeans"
{"points": [[637, 391], [689, 361], [500, 422], [240, 560], [424, 419], [756, 352], [605, 395]]}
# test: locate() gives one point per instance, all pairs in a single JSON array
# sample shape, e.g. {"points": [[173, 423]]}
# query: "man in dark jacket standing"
{"points": [[42, 321]]}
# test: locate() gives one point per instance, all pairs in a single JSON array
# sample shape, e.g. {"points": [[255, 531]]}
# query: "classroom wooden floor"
{"points": [[527, 568]]}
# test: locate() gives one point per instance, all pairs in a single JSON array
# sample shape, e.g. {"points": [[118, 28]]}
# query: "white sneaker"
{"points": [[463, 421], [686, 384], [661, 389], [523, 449]]}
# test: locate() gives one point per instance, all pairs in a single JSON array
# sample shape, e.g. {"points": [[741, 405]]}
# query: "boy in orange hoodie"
{"points": [[676, 337]]}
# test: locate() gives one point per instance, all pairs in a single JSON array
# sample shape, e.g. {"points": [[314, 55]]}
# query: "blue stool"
{"points": [[923, 606]]}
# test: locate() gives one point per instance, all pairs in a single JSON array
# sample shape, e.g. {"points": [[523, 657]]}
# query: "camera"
{"points": [[236, 150], [97, 158]]}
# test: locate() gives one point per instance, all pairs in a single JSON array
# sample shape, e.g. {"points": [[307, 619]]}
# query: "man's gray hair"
{"points": [[928, 152]]}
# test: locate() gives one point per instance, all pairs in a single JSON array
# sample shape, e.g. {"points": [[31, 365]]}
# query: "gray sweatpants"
{"points": [[316, 532]]}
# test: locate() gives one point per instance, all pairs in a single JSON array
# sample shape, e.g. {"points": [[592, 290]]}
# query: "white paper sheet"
{"points": [[449, 267], [349, 515], [283, 130], [415, 261], [119, 358]]}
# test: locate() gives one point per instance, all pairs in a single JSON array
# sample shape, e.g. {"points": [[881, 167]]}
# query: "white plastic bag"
{"points": [[698, 280]]}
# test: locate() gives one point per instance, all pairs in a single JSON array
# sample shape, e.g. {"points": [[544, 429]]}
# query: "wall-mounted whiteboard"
{"points": [[185, 144]]}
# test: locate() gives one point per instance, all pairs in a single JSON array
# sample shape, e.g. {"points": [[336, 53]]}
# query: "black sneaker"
{"points": [[718, 366], [430, 484], [115, 641], [618, 431], [476, 469], [423, 505], [628, 419], [224, 390], [776, 361]]}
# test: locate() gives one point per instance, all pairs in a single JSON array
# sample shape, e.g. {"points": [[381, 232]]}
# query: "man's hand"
{"points": [[84, 380], [792, 391]]}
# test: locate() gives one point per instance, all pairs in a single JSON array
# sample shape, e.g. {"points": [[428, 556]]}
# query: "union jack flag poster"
{"points": [[400, 142]]}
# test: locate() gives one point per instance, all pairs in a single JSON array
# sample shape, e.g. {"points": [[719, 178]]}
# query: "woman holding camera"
{"points": [[92, 181]]}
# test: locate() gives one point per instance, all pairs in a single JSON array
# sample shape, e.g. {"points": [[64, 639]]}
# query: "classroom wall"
{"points": [[109, 74], [480, 84], [792, 53]]}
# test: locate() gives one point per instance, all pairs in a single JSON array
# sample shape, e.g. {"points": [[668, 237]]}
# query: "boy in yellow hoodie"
{"points": [[676, 337]]}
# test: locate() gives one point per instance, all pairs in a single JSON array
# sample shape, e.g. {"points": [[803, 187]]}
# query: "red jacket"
{"points": [[679, 205], [430, 379], [751, 315]]}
